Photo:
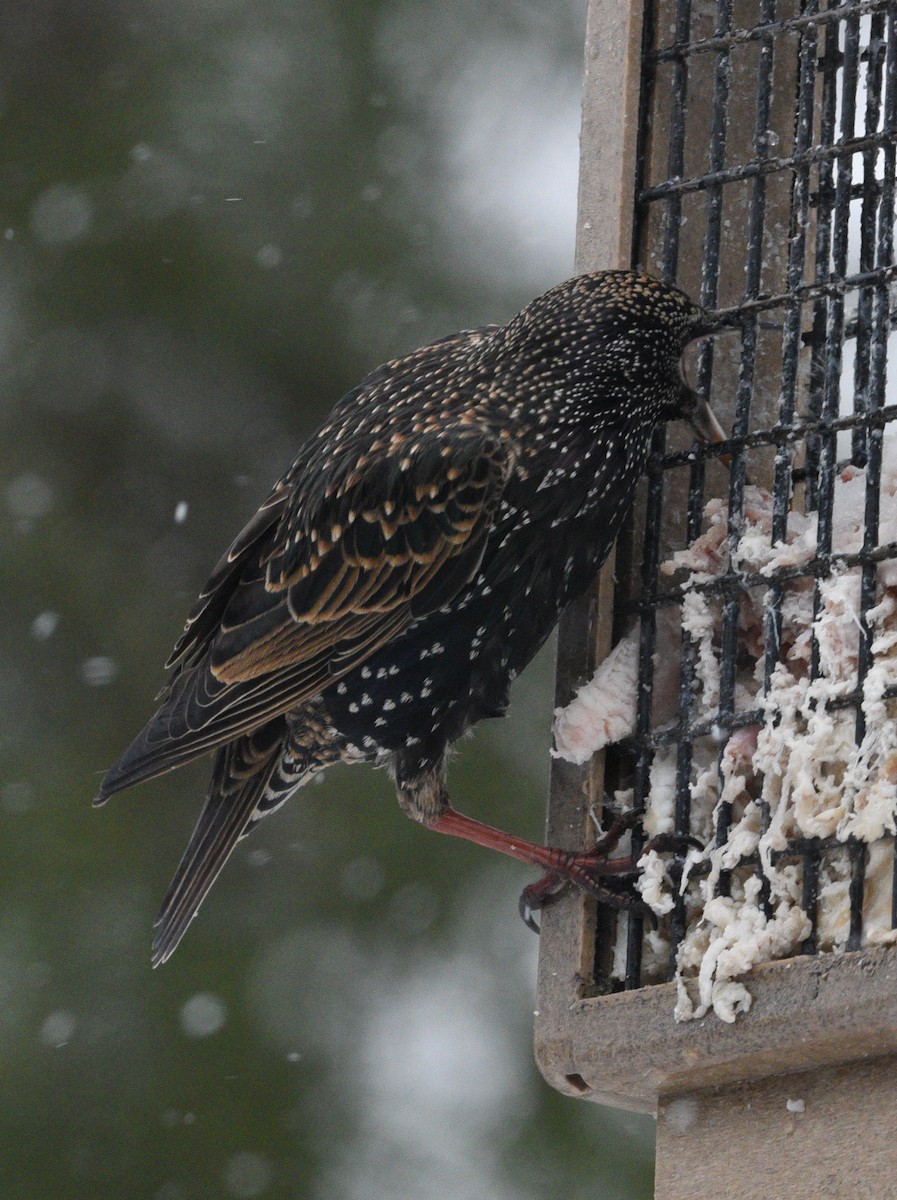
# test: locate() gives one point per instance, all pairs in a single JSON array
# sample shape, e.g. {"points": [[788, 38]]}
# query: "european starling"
{"points": [[412, 561]]}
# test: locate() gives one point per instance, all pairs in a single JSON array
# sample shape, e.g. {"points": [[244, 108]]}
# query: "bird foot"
{"points": [[536, 895], [609, 880]]}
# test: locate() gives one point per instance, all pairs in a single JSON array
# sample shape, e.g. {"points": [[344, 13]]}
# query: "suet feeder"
{"points": [[745, 151]]}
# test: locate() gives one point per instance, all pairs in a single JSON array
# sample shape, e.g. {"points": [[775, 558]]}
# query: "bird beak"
{"points": [[710, 323], [703, 420], [697, 410]]}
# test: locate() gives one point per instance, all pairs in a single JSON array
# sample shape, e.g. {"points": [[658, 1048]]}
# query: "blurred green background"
{"points": [[216, 217]]}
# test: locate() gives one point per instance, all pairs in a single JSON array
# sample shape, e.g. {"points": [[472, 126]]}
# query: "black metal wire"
{"points": [[836, 178], [684, 48], [672, 217]]}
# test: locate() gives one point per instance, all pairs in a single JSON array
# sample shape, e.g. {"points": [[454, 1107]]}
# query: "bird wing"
{"points": [[396, 533], [320, 579]]}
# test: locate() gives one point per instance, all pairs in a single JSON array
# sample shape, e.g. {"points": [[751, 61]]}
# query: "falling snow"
{"points": [[44, 625], [99, 670], [202, 1015]]}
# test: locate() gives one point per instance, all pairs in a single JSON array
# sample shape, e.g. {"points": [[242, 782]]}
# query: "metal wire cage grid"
{"points": [[768, 141]]}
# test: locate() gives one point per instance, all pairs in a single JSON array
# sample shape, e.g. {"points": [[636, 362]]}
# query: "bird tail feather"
{"points": [[250, 779]]}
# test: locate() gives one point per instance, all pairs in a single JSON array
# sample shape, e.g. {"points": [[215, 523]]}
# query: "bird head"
{"points": [[648, 324], [618, 336], [602, 350]]}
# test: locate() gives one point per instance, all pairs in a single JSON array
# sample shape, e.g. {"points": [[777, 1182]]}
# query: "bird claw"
{"points": [[535, 895], [593, 871], [672, 843]]}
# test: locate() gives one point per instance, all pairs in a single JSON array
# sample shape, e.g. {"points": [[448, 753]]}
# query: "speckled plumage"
{"points": [[414, 558]]}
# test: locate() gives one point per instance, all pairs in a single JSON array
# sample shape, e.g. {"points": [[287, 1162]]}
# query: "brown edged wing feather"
{"points": [[206, 613], [342, 558], [401, 533]]}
